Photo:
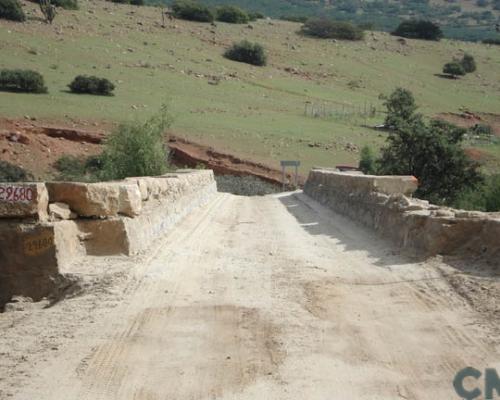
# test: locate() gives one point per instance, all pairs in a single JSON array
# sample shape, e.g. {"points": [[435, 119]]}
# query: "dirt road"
{"points": [[252, 298]]}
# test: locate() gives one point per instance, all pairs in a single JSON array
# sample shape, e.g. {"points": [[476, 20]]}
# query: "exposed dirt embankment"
{"points": [[186, 153], [35, 145]]}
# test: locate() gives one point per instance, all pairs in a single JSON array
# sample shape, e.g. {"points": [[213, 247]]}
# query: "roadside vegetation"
{"points": [[13, 173], [433, 152], [133, 149]]}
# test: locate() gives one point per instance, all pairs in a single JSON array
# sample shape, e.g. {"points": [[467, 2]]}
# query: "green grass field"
{"points": [[255, 112]]}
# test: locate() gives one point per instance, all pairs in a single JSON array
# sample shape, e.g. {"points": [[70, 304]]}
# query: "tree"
{"points": [[367, 161], [454, 69], [431, 152], [48, 10], [400, 106], [11, 10], [468, 63], [419, 29]]}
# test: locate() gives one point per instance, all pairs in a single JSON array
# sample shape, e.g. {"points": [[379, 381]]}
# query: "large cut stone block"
{"points": [[28, 261], [23, 200], [104, 199]]}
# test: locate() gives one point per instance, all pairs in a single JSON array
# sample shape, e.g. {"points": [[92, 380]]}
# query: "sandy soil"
{"points": [[255, 298]]}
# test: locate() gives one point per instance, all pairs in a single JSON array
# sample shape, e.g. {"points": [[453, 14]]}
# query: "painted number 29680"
{"points": [[16, 193]]}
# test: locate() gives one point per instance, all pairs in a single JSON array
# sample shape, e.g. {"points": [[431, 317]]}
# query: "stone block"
{"points": [[24, 200]]}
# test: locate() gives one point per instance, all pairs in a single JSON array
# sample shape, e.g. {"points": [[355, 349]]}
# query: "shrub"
{"points": [[367, 161], [486, 197], [65, 4], [137, 2], [12, 173], [454, 69], [294, 18], [419, 29], [91, 85], [250, 53], [137, 149], [191, 10], [254, 16], [78, 169], [232, 14], [468, 63], [11, 10], [329, 29], [17, 80], [492, 41]]}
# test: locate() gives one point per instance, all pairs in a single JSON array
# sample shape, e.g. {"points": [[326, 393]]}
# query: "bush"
{"points": [[329, 29], [11, 10], [137, 2], [78, 169], [486, 197], [454, 69], [492, 41], [65, 4], [367, 161], [294, 18], [192, 11], [91, 85], [419, 29], [254, 16], [26, 81], [136, 149], [250, 53], [232, 14], [13, 173], [468, 63]]}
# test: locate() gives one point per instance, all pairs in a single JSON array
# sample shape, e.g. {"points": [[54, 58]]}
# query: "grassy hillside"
{"points": [[252, 111], [460, 19]]}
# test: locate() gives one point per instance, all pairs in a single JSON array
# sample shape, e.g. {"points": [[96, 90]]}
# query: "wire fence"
{"points": [[325, 110]]}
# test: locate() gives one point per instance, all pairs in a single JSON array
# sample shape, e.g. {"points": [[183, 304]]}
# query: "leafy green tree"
{"points": [[433, 153], [367, 161], [137, 149], [468, 63], [400, 106], [11, 10], [419, 29], [454, 69]]}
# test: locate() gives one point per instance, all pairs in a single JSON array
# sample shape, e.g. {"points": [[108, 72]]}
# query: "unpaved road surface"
{"points": [[252, 298]]}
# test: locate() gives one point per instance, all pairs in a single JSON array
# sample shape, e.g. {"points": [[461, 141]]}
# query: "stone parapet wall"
{"points": [[422, 229], [46, 226]]}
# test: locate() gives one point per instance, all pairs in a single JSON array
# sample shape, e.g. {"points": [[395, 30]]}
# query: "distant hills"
{"points": [[459, 19]]}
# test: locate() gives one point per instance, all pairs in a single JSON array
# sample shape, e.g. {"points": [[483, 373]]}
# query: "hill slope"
{"points": [[259, 113]]}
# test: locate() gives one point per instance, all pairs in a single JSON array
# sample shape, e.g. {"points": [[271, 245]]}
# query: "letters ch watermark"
{"points": [[471, 392]]}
